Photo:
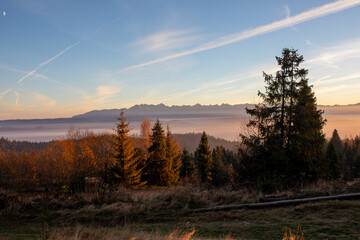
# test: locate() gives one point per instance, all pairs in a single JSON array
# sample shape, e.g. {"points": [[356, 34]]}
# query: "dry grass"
{"points": [[154, 214], [126, 234], [123, 234], [289, 235], [127, 201]]}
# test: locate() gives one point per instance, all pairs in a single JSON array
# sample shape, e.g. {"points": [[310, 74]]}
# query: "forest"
{"points": [[283, 149]]}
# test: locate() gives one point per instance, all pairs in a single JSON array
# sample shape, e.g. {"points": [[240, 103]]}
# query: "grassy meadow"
{"points": [[167, 214]]}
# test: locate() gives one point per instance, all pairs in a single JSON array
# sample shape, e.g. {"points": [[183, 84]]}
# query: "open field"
{"points": [[166, 213]]}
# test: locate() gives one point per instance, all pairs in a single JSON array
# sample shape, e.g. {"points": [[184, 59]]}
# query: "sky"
{"points": [[59, 58]]}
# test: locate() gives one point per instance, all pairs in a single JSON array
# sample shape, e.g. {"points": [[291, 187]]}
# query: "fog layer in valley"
{"points": [[223, 122]]}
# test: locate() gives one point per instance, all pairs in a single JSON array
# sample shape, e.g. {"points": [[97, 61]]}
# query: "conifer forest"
{"points": [[101, 185]]}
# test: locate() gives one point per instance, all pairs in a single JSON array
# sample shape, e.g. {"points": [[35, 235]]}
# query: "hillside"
{"points": [[191, 141]]}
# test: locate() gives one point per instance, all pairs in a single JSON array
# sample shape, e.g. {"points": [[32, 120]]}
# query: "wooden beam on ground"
{"points": [[278, 203]]}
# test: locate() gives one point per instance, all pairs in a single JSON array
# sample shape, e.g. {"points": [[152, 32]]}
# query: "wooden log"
{"points": [[278, 203]]}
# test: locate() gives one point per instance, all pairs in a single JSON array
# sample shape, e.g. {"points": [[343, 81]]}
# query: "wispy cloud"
{"points": [[308, 42], [11, 69], [333, 55], [287, 22], [17, 97], [2, 94], [105, 91], [47, 62], [320, 80], [43, 99], [167, 40], [338, 79], [213, 85], [288, 13], [326, 90]]}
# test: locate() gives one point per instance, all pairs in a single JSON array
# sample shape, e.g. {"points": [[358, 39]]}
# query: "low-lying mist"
{"points": [[346, 119]]}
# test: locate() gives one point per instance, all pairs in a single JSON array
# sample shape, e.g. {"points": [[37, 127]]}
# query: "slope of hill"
{"points": [[188, 140], [19, 146], [191, 141]]}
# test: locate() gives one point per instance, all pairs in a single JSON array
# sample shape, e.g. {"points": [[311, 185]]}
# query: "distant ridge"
{"points": [[163, 111], [223, 120], [139, 111], [338, 105]]}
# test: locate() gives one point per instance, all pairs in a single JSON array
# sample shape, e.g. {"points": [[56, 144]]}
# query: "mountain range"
{"points": [[221, 120]]}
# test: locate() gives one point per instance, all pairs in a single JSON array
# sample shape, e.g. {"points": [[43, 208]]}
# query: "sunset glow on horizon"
{"points": [[62, 58]]}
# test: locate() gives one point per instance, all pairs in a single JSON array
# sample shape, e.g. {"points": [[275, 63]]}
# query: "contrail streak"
{"points": [[47, 62], [2, 94], [287, 22]]}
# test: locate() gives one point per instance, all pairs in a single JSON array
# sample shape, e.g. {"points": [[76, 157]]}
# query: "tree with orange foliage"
{"points": [[145, 132]]}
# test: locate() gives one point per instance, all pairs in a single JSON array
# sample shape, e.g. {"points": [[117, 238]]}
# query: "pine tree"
{"points": [[173, 158], [356, 154], [217, 169], [352, 158], [338, 144], [126, 171], [157, 171], [286, 123], [281, 93], [333, 170], [203, 159], [187, 166], [339, 148], [307, 137]]}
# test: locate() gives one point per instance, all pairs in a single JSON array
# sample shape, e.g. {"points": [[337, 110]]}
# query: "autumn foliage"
{"points": [[85, 158]]}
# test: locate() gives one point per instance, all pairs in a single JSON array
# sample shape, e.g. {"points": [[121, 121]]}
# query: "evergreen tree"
{"points": [[203, 159], [356, 158], [307, 136], [349, 159], [352, 158], [339, 148], [126, 171], [157, 171], [333, 163], [217, 169], [338, 144], [187, 166], [173, 158], [287, 110]]}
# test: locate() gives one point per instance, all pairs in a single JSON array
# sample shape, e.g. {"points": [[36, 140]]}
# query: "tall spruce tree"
{"points": [[306, 148], [172, 157], [157, 171], [126, 171], [339, 148], [333, 169], [288, 109], [218, 172], [187, 166], [352, 158], [203, 159], [356, 157]]}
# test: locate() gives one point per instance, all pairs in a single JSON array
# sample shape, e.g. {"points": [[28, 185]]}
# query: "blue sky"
{"points": [[60, 58]]}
